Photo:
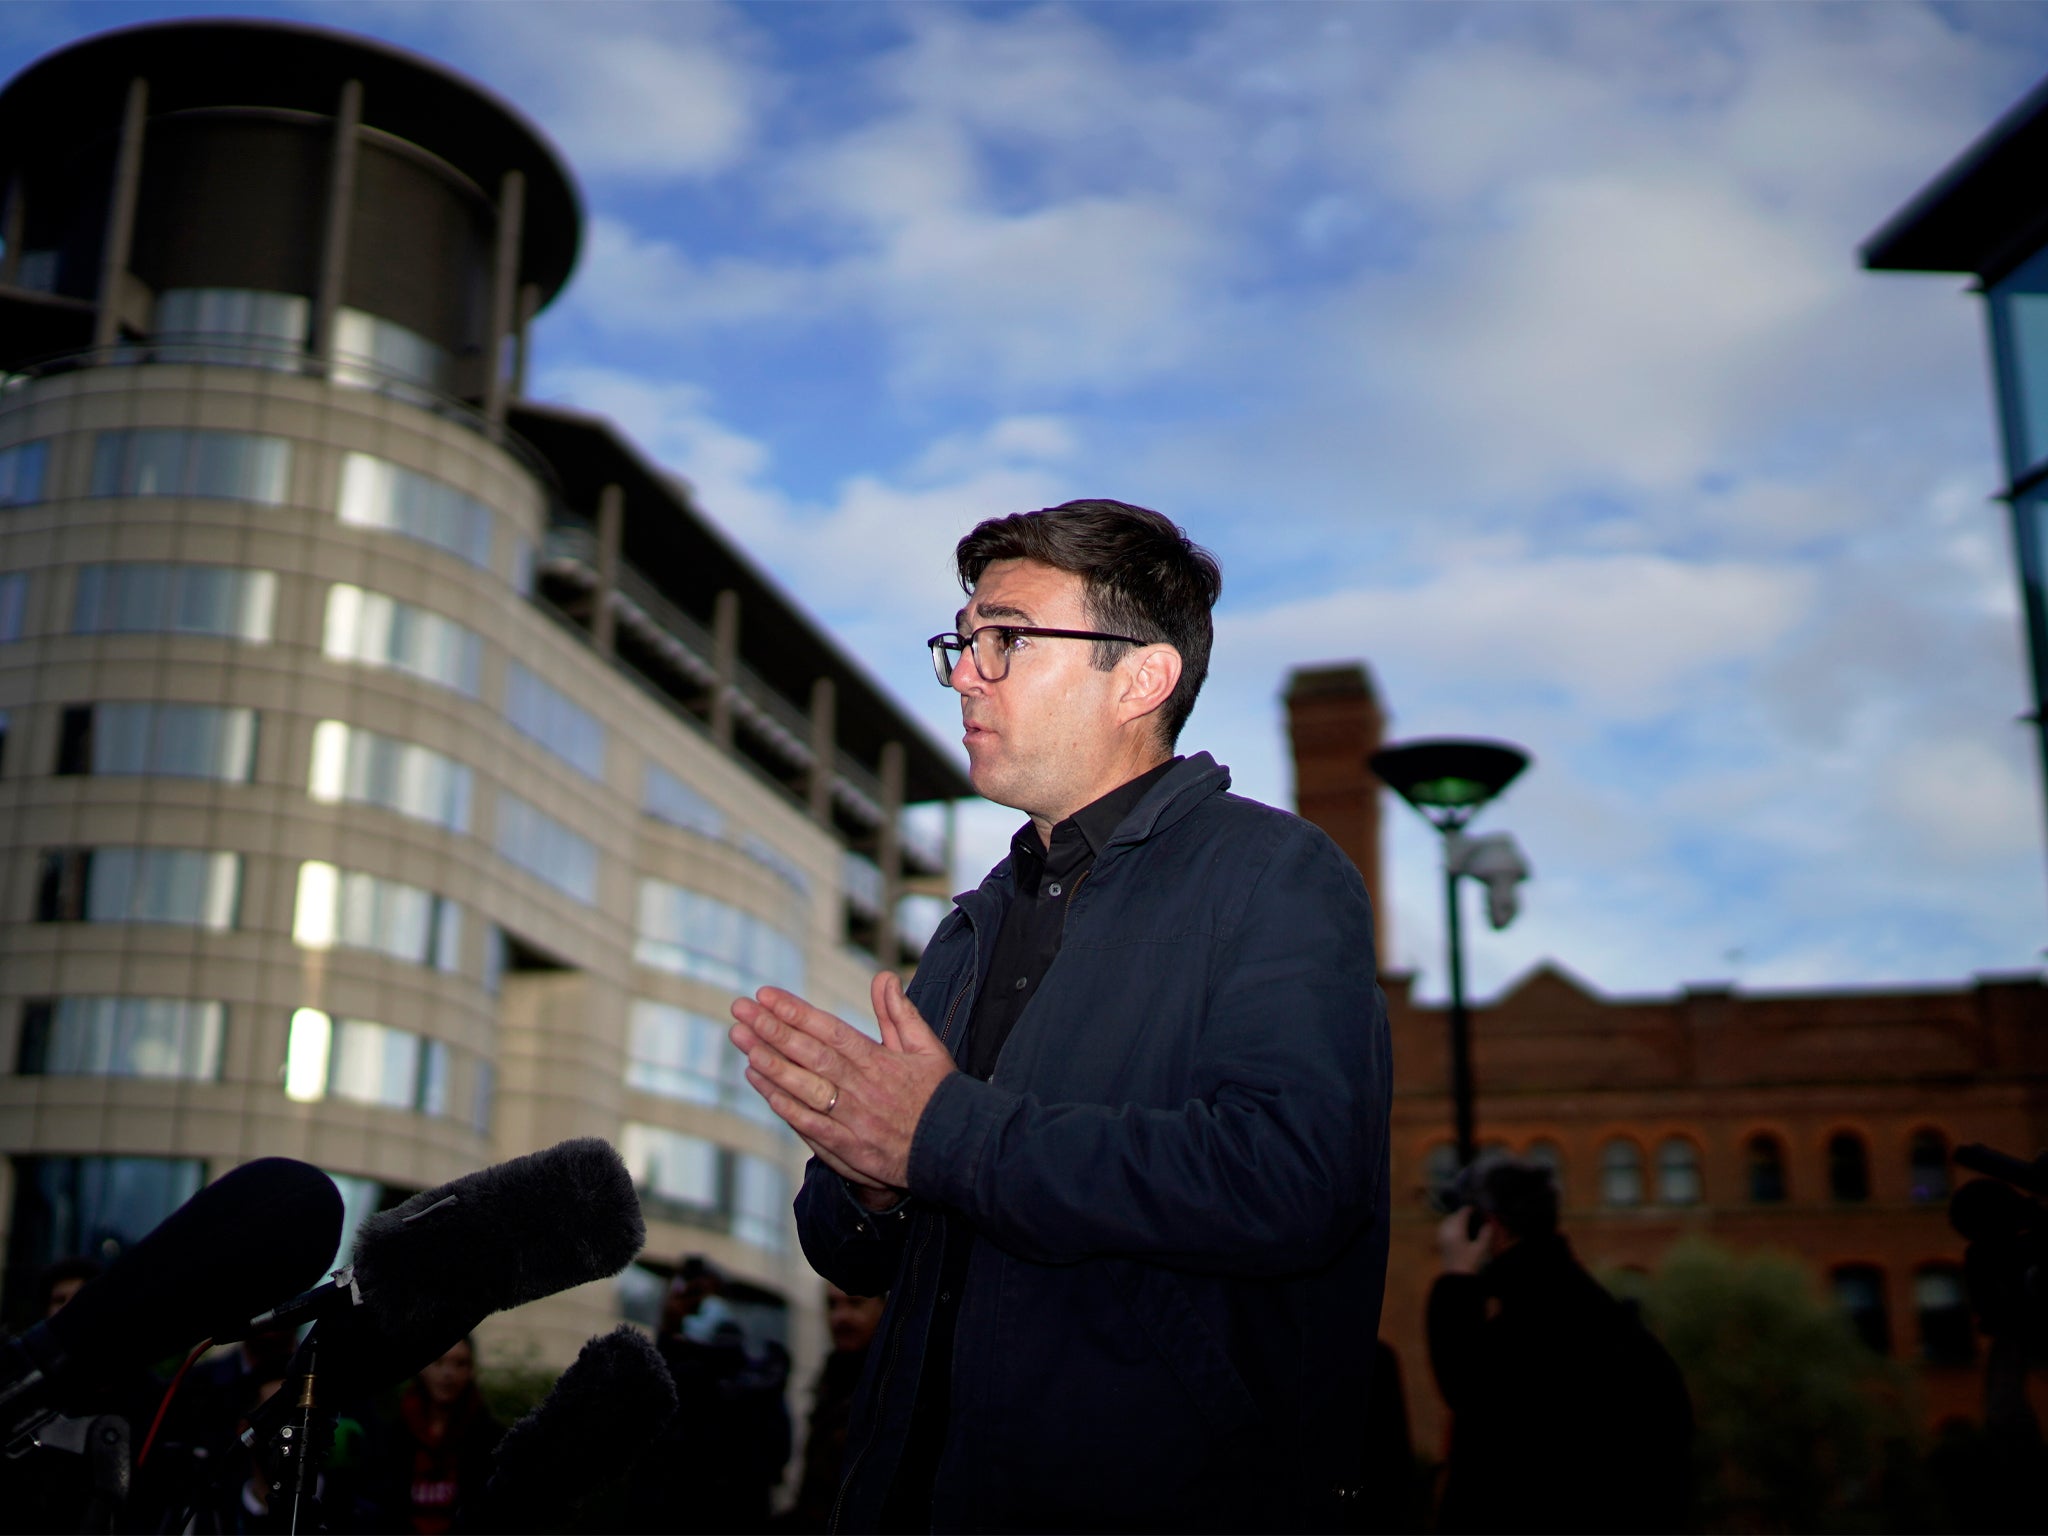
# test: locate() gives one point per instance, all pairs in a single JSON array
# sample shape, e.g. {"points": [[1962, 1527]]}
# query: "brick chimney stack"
{"points": [[1334, 723]]}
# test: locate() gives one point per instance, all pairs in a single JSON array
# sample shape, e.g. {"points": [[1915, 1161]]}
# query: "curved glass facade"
{"points": [[546, 715], [534, 841], [688, 933], [685, 1056], [158, 1037], [350, 763], [348, 909], [13, 605], [179, 461], [22, 468], [364, 1062], [154, 598], [189, 886], [198, 741], [244, 323], [375, 493], [378, 631]]}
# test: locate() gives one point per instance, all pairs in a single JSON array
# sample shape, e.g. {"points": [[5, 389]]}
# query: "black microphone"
{"points": [[260, 1231], [606, 1409], [425, 1273]]}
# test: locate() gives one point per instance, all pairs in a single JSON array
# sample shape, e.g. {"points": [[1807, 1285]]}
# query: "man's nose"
{"points": [[966, 677]]}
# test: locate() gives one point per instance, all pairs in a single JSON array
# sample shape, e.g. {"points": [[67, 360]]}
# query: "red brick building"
{"points": [[1815, 1123]]}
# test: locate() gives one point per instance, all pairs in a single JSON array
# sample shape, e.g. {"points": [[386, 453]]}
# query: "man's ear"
{"points": [[1151, 673]]}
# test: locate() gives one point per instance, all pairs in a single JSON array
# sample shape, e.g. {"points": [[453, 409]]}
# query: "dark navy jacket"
{"points": [[1177, 1178]]}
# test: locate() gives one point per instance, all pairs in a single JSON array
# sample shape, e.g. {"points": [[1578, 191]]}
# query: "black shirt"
{"points": [[1047, 876]]}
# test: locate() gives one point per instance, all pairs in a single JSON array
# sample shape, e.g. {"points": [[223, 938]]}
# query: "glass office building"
{"points": [[1987, 215], [395, 773]]}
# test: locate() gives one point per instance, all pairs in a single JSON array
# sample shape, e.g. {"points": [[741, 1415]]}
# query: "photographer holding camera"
{"points": [[1566, 1414]]}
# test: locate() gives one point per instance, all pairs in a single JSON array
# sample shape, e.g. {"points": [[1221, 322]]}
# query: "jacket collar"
{"points": [[1190, 781]]}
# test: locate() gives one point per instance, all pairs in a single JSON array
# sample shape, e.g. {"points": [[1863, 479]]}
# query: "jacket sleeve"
{"points": [[858, 1250], [1275, 1163]]}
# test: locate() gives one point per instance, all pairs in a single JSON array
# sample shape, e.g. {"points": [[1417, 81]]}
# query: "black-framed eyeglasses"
{"points": [[991, 645]]}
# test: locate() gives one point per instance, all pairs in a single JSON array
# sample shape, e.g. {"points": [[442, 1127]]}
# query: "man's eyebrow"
{"points": [[996, 611]]}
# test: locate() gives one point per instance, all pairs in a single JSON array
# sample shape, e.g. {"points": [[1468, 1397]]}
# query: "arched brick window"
{"points": [[1927, 1165], [1678, 1172], [1859, 1292], [1848, 1167], [1764, 1168], [1947, 1334], [1621, 1173]]}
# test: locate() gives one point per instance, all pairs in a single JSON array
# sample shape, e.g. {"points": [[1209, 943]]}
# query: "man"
{"points": [[1119, 1156], [851, 1321], [1566, 1414]]}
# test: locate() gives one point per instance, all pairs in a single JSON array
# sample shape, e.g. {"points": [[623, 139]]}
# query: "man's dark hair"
{"points": [[1520, 1196], [1141, 575]]}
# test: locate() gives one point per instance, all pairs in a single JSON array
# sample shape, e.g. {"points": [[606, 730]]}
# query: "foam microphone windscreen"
{"points": [[257, 1234], [433, 1268], [606, 1409]]}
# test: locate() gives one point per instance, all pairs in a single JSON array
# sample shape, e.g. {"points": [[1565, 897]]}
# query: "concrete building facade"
{"points": [[395, 773]]}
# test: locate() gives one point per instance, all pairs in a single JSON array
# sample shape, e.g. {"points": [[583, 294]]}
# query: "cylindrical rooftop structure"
{"points": [[226, 182]]}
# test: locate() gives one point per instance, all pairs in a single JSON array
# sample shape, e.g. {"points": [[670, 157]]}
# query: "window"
{"points": [[250, 322], [686, 1056], [760, 1204], [376, 493], [95, 1205], [675, 1169], [4, 722], [483, 1089], [199, 741], [365, 1063], [537, 843], [350, 763], [1859, 1293], [2019, 334], [690, 934], [1927, 1166], [1942, 1306], [13, 604], [140, 885], [347, 909], [162, 1037], [553, 719], [667, 798], [221, 600], [370, 351], [698, 1181], [21, 472], [776, 862], [1678, 1172], [1848, 1167], [862, 880], [156, 461], [1621, 1173], [380, 631], [1764, 1166]]}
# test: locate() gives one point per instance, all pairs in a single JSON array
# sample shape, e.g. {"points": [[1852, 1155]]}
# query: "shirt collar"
{"points": [[1096, 823]]}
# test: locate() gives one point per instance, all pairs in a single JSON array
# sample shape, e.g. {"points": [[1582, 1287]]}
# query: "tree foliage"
{"points": [[1800, 1425]]}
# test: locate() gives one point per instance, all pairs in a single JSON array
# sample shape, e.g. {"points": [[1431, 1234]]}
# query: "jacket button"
{"points": [[1053, 889], [1023, 982]]}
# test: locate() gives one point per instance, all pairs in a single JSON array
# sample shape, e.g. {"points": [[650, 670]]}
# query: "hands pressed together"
{"points": [[856, 1103]]}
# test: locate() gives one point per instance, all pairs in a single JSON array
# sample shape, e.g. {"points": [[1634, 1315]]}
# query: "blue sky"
{"points": [[1519, 351]]}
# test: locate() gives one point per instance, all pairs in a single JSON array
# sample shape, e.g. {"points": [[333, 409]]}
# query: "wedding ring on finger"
{"points": [[832, 1103]]}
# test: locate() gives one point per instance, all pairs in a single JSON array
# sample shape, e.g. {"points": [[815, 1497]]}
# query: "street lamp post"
{"points": [[1449, 780]]}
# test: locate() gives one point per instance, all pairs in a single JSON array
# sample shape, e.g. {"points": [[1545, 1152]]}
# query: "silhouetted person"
{"points": [[49, 1490], [716, 1465], [852, 1321], [1566, 1414]]}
